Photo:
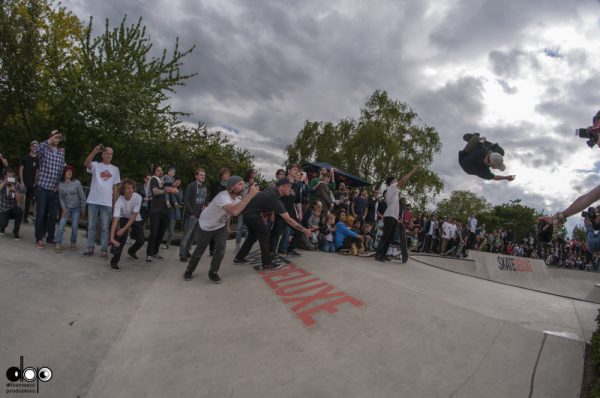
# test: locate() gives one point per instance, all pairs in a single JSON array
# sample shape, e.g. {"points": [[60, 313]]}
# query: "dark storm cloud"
{"points": [[472, 26], [575, 104], [264, 67]]}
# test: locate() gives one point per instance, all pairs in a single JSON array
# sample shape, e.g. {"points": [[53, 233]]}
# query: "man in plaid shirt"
{"points": [[52, 163]]}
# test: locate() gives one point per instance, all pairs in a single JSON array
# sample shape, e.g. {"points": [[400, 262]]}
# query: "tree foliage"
{"points": [[463, 204], [514, 217], [112, 88], [387, 139], [579, 233]]}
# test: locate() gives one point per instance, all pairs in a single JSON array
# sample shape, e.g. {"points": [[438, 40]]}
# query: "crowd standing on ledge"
{"points": [[292, 213]]}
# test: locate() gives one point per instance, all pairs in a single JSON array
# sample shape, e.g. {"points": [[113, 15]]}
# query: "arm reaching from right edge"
{"points": [[578, 205]]}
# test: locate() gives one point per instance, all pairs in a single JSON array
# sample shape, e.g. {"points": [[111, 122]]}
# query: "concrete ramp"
{"points": [[521, 272], [325, 325]]}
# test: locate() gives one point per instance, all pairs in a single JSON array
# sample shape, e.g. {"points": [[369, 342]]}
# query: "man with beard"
{"points": [[213, 222]]}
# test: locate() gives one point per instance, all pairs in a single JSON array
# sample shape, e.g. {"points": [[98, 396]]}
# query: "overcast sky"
{"points": [[523, 73]]}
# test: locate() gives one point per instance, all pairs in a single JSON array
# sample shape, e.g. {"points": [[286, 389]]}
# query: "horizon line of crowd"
{"points": [[294, 212]]}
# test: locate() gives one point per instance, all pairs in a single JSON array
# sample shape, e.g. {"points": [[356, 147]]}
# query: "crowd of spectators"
{"points": [[342, 220]]}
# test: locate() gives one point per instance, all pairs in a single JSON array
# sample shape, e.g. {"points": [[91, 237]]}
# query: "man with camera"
{"points": [[51, 166], [10, 195], [592, 133], [103, 193], [479, 156], [212, 224]]}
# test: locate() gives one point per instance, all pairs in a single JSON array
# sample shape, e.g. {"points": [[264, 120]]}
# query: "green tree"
{"points": [[512, 217], [387, 139], [110, 88], [579, 232], [462, 204]]}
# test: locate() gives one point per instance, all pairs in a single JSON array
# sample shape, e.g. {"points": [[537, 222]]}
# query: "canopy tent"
{"points": [[312, 170]]}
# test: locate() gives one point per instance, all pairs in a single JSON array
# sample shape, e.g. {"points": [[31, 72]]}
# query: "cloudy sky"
{"points": [[524, 73]]}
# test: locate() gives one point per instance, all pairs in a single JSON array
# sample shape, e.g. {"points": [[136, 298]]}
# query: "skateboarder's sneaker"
{"points": [[467, 137], [496, 148]]}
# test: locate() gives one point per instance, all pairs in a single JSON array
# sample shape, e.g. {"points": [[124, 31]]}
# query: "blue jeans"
{"points": [[240, 229], [189, 236], [46, 213], [74, 214], [285, 239], [105, 213], [328, 247]]}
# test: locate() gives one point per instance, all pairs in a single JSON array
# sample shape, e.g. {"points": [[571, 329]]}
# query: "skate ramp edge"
{"points": [[521, 272]]}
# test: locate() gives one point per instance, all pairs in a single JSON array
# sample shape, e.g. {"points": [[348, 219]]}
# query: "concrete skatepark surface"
{"points": [[326, 325]]}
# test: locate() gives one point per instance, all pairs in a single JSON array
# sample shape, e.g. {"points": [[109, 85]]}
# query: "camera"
{"points": [[590, 215], [592, 132], [11, 180]]}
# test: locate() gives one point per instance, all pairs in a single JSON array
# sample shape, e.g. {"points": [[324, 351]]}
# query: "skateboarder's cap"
{"points": [[497, 161]]}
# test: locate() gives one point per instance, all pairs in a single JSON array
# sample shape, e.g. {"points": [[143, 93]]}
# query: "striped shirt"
{"points": [[52, 164]]}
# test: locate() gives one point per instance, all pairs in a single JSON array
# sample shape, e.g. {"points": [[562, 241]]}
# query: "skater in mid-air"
{"points": [[479, 156]]}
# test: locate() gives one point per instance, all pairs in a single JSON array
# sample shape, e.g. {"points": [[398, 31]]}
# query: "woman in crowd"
{"points": [[72, 202]]}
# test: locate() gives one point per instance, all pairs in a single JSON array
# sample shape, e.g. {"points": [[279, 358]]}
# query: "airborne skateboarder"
{"points": [[479, 156]]}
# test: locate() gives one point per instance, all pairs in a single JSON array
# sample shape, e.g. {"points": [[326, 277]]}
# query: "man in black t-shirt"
{"points": [[293, 205], [479, 156], [28, 170], [159, 214], [266, 202]]}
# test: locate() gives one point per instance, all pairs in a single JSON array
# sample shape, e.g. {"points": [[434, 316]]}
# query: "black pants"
{"points": [[158, 225], [29, 196], [278, 228], [257, 230], [219, 237], [403, 247], [427, 243], [389, 229], [16, 213], [137, 233], [46, 214]]}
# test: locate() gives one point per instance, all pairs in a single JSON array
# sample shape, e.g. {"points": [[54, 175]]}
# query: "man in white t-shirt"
{"points": [[472, 231], [126, 216], [391, 215], [213, 225], [103, 191], [446, 234]]}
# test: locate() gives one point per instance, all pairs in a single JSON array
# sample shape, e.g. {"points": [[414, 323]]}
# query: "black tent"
{"points": [[312, 171]]}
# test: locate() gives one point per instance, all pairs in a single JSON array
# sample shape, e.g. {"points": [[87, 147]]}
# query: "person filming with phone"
{"points": [[11, 195]]}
